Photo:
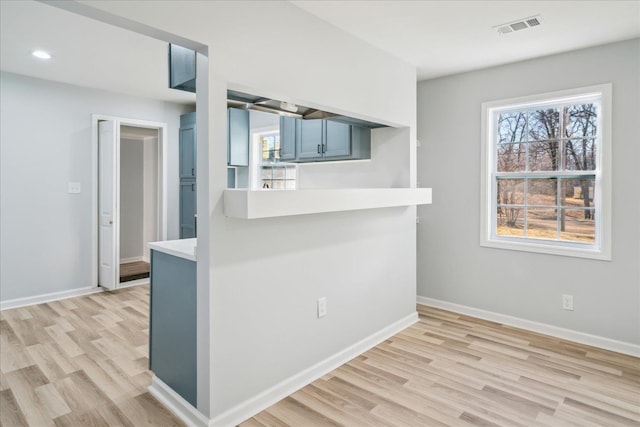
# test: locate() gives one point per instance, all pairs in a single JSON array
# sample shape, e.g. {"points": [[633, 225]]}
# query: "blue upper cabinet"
{"points": [[287, 138], [237, 137], [187, 142], [309, 139], [188, 209], [182, 68], [188, 172], [337, 141], [324, 140]]}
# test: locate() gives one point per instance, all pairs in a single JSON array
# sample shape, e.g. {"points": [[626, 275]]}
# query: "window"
{"points": [[546, 173]]}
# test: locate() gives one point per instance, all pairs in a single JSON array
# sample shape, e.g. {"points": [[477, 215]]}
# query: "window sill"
{"points": [[548, 249]]}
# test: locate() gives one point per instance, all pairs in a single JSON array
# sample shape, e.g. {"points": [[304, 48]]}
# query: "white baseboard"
{"points": [[542, 328], [131, 283], [176, 404], [253, 406], [132, 259], [54, 296]]}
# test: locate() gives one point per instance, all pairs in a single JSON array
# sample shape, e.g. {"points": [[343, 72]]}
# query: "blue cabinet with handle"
{"points": [[188, 209], [323, 140], [188, 172], [309, 139], [187, 143]]}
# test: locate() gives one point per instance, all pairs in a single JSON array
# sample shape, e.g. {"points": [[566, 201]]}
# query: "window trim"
{"points": [[601, 250]]}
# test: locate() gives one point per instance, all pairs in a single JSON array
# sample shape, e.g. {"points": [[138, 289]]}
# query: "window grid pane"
{"points": [[546, 208]]}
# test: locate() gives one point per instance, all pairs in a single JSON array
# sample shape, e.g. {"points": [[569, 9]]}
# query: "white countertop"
{"points": [[183, 248]]}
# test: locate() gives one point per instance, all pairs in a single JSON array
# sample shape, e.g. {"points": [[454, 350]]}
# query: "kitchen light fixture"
{"points": [[41, 54]]}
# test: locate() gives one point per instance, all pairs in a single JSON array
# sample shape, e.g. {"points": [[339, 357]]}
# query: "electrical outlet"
{"points": [[74, 188], [567, 302], [322, 307]]}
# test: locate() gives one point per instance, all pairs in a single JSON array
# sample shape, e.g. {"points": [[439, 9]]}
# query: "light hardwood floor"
{"points": [[83, 362], [79, 362]]}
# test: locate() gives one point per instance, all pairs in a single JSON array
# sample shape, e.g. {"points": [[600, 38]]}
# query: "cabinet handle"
{"points": [[319, 152], [324, 148], [193, 171], [193, 187]]}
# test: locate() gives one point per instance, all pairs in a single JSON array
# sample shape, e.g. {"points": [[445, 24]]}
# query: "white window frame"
{"points": [[601, 249]]}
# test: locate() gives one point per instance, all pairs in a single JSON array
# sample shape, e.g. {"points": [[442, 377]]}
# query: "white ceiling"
{"points": [[438, 37], [447, 37], [85, 52]]}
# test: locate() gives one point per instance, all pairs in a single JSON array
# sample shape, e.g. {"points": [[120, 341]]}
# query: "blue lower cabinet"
{"points": [[172, 334]]}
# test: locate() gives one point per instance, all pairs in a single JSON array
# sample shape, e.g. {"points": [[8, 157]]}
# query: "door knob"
{"points": [[110, 222]]}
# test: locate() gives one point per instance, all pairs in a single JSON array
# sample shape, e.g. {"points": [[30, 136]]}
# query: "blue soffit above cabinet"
{"points": [[246, 101]]}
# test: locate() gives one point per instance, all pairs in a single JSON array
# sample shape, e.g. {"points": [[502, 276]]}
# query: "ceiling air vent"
{"points": [[520, 24]]}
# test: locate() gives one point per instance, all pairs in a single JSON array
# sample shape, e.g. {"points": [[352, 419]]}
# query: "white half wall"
{"points": [[265, 276], [131, 198], [452, 267], [45, 142]]}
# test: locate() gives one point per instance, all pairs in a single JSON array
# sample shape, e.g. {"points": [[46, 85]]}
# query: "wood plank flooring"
{"points": [[454, 370], [79, 362], [134, 270], [83, 362]]}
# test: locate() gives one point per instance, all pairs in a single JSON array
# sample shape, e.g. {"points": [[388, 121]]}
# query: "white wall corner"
{"points": [[176, 404], [541, 328]]}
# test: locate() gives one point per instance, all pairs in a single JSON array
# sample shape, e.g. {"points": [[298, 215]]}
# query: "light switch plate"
{"points": [[74, 188]]}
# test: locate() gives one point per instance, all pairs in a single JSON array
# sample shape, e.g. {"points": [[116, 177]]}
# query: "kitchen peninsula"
{"points": [[172, 334]]}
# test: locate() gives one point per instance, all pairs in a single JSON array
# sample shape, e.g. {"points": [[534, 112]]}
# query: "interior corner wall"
{"points": [[452, 266], [46, 142], [150, 195]]}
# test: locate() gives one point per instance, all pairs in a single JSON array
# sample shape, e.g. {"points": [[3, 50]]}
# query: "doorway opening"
{"points": [[130, 207]]}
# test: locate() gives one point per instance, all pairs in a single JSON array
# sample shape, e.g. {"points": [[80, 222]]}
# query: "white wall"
{"points": [[45, 142], [453, 267], [131, 198], [150, 196], [262, 277]]}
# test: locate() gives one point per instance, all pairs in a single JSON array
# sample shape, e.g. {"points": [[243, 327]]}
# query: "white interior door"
{"points": [[108, 201]]}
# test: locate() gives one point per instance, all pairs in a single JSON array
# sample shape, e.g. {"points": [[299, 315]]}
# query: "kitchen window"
{"points": [[546, 173]]}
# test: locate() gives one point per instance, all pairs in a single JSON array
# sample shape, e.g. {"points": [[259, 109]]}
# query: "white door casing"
{"points": [[108, 203]]}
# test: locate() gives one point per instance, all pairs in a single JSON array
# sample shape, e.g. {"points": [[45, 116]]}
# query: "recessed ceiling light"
{"points": [[41, 54]]}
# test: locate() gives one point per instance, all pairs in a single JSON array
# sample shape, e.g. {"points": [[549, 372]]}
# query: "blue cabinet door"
{"points": [[287, 138], [172, 334], [187, 209], [237, 137], [309, 139], [182, 68], [187, 146], [360, 142], [337, 141]]}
